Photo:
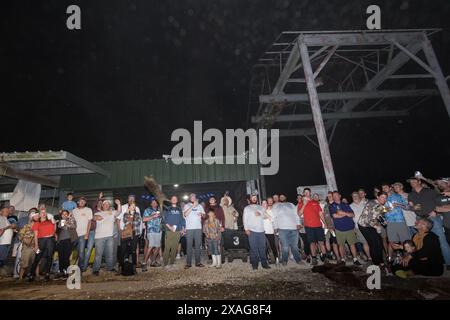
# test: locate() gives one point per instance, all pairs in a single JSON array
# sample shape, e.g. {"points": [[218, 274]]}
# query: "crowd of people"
{"points": [[405, 234]]}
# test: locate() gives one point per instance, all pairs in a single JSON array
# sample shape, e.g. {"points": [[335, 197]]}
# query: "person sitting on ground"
{"points": [[423, 202], [212, 229], [427, 259]]}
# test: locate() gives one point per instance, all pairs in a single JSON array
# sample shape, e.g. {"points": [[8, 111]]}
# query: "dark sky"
{"points": [[137, 70]]}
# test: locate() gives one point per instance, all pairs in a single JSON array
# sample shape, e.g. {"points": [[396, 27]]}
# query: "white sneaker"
{"points": [[277, 261], [178, 256]]}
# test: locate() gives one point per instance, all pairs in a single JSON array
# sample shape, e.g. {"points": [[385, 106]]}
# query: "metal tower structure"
{"points": [[326, 76]]}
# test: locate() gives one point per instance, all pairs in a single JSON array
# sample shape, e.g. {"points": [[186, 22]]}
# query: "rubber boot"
{"points": [[219, 261], [214, 261]]}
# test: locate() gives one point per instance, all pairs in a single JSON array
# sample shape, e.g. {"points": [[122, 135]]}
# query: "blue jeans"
{"points": [[289, 239], [104, 246], [4, 249], [193, 235], [213, 246], [412, 231], [83, 257], [438, 229], [257, 242]]}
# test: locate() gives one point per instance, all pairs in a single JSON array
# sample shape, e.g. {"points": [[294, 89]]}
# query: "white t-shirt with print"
{"points": [[105, 227], [82, 217], [194, 218]]}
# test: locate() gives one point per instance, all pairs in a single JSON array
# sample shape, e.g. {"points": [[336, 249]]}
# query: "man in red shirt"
{"points": [[313, 219]]}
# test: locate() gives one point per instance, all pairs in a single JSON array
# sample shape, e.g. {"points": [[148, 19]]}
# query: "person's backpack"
{"points": [[127, 268]]}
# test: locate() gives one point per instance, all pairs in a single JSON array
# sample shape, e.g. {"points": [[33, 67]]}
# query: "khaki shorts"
{"points": [[360, 237], [27, 257], [346, 236]]}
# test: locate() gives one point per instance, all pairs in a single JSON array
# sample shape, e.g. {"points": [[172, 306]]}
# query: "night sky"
{"points": [[137, 70]]}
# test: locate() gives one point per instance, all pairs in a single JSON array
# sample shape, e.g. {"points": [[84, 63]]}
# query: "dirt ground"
{"points": [[234, 281]]}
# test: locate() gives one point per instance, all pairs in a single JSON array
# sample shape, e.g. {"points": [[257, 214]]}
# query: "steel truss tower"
{"points": [[326, 76]]}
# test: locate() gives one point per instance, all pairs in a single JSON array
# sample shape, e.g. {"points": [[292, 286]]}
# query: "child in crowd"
{"points": [[69, 204], [399, 267], [212, 231]]}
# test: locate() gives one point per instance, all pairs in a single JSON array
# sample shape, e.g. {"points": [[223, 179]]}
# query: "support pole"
{"points": [[317, 116], [438, 75]]}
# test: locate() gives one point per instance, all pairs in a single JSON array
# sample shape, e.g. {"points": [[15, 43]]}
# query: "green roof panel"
{"points": [[125, 174]]}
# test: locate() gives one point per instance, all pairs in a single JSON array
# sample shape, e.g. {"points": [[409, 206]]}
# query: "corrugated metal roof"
{"points": [[125, 174]]}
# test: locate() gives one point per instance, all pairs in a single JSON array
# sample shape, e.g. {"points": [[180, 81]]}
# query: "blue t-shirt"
{"points": [[173, 216], [69, 205], [154, 225], [396, 213], [345, 223]]}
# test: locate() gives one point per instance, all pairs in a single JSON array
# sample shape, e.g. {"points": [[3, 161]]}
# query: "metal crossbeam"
{"points": [[359, 95], [337, 115], [8, 171]]}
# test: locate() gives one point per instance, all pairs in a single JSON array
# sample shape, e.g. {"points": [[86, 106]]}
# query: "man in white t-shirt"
{"points": [[6, 234], [83, 218], [193, 213], [253, 218], [287, 222], [104, 241]]}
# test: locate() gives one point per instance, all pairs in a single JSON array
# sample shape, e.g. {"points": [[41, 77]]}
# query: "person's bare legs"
{"points": [[323, 249], [367, 251], [21, 273], [353, 251], [342, 251], [391, 250], [147, 253], [336, 251], [312, 247], [137, 254]]}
